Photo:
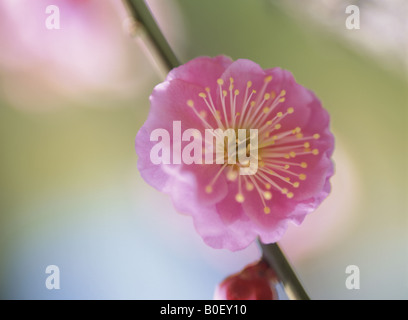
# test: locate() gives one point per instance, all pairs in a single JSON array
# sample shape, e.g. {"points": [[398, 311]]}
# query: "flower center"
{"points": [[282, 152]]}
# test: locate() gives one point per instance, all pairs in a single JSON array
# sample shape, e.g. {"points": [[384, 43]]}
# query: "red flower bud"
{"points": [[256, 282]]}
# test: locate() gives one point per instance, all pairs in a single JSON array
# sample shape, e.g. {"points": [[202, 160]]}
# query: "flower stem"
{"points": [[141, 14], [271, 252], [273, 255]]}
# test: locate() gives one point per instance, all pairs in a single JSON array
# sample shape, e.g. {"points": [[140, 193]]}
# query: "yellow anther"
{"points": [[306, 145], [265, 110], [316, 136], [282, 99], [296, 184], [236, 92], [208, 189], [207, 89], [284, 191], [249, 84], [267, 186], [273, 94], [249, 186], [267, 195], [252, 103], [302, 176], [279, 114], [231, 80], [224, 93], [239, 197], [268, 79], [267, 96], [290, 195], [286, 156], [278, 126], [287, 179], [190, 103], [292, 154], [296, 130], [203, 113], [220, 82], [202, 95], [315, 152], [303, 165], [232, 175], [283, 92], [290, 110], [269, 122], [286, 166], [299, 135], [267, 210]]}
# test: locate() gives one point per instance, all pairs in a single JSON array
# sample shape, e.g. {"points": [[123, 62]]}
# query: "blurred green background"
{"points": [[70, 193]]}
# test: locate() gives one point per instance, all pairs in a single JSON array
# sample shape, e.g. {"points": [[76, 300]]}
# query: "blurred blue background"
{"points": [[73, 99]]}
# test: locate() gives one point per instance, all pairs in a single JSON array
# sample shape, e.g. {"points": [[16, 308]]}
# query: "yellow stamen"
{"points": [[232, 175], [239, 198], [267, 195], [208, 189], [249, 186], [268, 79]]}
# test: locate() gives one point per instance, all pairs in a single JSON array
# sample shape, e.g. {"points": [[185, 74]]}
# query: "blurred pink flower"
{"points": [[256, 282], [294, 149], [89, 54]]}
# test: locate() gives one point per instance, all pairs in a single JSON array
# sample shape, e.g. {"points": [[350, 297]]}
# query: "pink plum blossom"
{"points": [[256, 282], [295, 145]]}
